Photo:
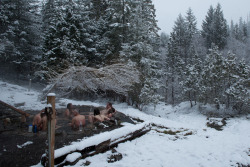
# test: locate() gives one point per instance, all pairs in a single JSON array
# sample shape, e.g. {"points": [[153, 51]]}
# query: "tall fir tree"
{"points": [[191, 80], [140, 48], [181, 36], [192, 31], [207, 27], [214, 28], [220, 26], [212, 78], [70, 39], [20, 32], [174, 64], [238, 91]]}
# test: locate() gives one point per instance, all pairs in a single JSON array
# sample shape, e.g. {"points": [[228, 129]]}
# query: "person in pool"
{"points": [[40, 121], [77, 120], [69, 112], [97, 117]]}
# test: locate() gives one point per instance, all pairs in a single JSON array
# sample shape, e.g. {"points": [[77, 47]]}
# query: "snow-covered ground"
{"points": [[193, 145]]}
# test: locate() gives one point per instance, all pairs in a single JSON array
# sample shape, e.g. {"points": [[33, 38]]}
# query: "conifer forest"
{"points": [[46, 40]]}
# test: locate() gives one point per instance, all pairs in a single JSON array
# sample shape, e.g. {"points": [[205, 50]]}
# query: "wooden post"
{"points": [[51, 128], [29, 84]]}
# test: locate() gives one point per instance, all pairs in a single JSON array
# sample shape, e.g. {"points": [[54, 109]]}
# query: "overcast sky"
{"points": [[167, 11]]}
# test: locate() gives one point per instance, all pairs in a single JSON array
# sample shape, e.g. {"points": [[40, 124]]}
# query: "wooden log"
{"points": [[99, 148], [15, 109]]}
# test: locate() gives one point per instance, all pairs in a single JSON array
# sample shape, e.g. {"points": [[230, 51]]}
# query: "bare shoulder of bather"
{"points": [[104, 118]]}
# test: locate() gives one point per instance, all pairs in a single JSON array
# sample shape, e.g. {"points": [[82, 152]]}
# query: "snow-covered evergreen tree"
{"points": [[231, 76], [237, 91], [192, 78], [191, 23], [214, 28], [19, 33], [207, 28], [70, 38], [181, 36], [115, 30], [174, 65], [141, 48], [192, 32], [212, 78]]}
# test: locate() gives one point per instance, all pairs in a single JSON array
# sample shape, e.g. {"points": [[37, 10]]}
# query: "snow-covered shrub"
{"points": [[82, 81]]}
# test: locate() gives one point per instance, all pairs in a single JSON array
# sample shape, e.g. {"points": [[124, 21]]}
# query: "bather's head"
{"points": [[96, 111]]}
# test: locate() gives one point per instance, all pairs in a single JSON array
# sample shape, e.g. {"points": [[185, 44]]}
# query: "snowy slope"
{"points": [[203, 146]]}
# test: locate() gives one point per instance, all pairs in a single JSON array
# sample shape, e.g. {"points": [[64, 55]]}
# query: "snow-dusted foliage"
{"points": [[19, 34], [141, 48], [214, 28], [118, 78], [55, 38], [219, 80], [174, 66]]}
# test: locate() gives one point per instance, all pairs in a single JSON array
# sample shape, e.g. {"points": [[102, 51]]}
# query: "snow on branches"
{"points": [[117, 78]]}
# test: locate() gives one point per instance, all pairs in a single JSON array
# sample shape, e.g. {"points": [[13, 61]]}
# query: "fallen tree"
{"points": [[97, 144], [116, 78]]}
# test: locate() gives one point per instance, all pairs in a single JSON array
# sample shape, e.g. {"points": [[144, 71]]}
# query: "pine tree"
{"points": [[181, 50], [20, 31], [231, 76], [191, 33], [191, 23], [71, 37], [238, 92], [220, 26], [115, 17], [191, 80], [214, 28], [174, 69], [181, 37], [207, 27], [140, 48], [212, 78]]}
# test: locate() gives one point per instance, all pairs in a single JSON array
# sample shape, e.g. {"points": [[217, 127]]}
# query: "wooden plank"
{"points": [[15, 109]]}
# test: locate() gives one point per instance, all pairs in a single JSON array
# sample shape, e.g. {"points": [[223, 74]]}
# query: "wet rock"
{"points": [[216, 123], [19, 104], [114, 157], [113, 150], [87, 163], [120, 117]]}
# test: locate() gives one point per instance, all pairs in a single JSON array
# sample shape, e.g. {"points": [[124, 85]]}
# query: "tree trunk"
{"points": [[190, 99], [173, 100]]}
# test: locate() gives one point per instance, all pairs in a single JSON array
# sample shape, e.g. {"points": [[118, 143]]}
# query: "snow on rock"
{"points": [[74, 156], [25, 144]]}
